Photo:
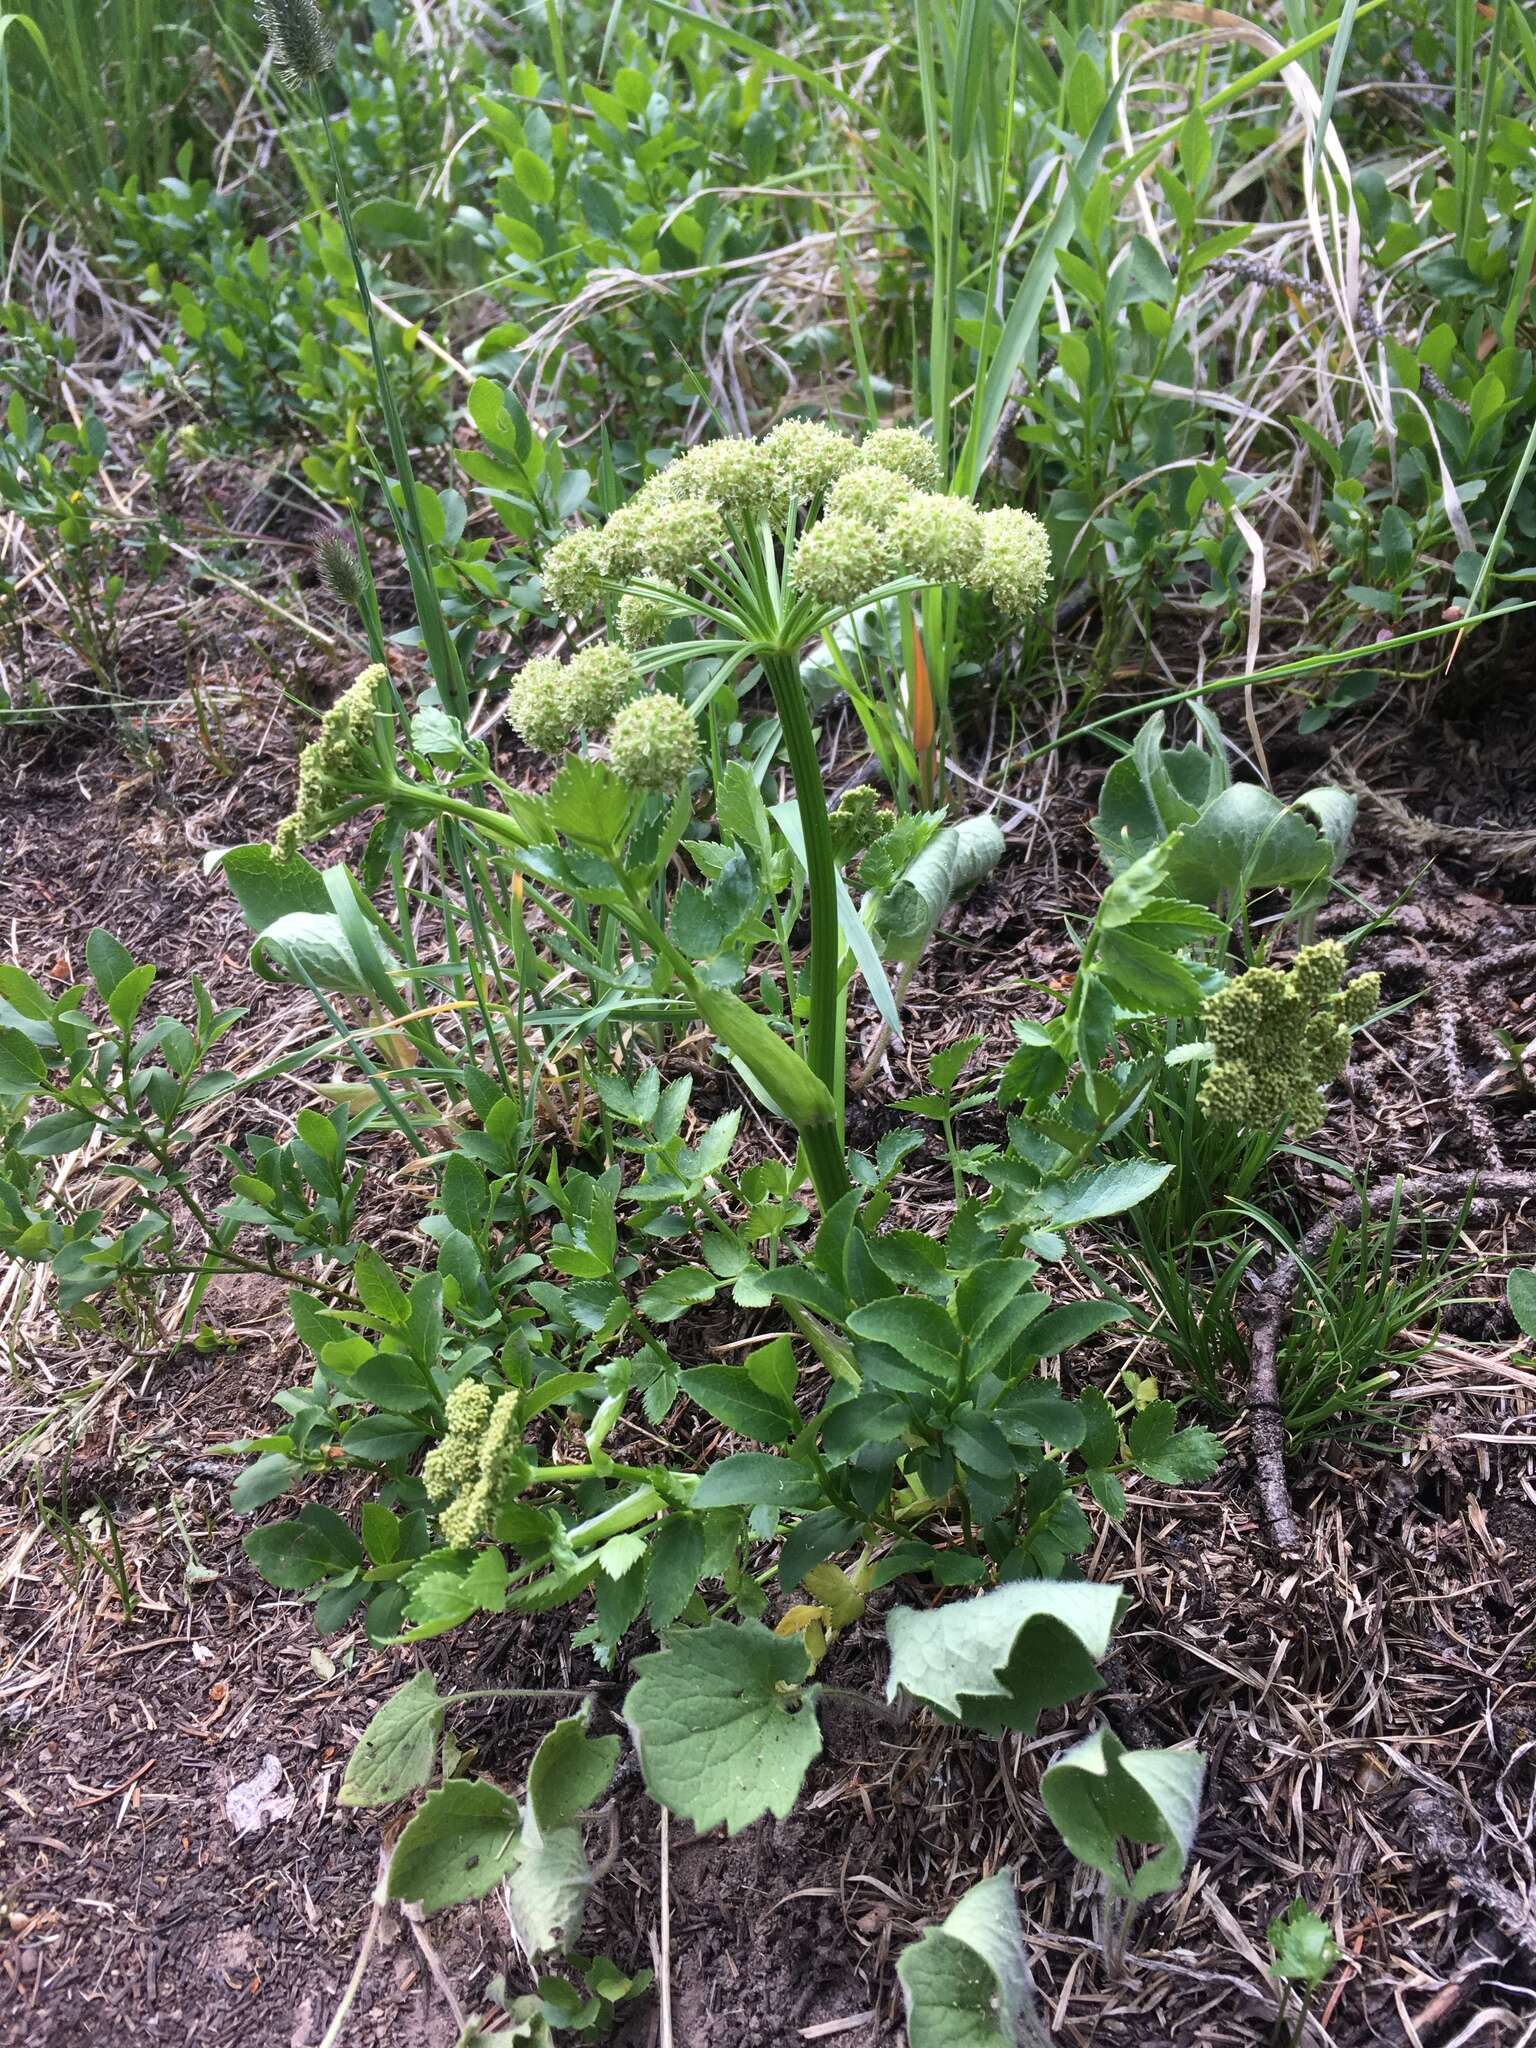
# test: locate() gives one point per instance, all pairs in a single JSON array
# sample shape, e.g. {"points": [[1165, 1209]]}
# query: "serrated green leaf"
{"points": [[996, 1661], [1101, 1793], [1305, 1950], [463, 1840], [724, 1724], [1174, 1456], [396, 1752], [966, 1982]]}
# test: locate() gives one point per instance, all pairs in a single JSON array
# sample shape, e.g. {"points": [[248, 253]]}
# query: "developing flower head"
{"points": [[738, 475], [937, 538], [857, 822], [873, 495], [808, 456], [644, 615], [906, 453], [573, 571], [1279, 1039], [1015, 561], [654, 742], [471, 1467], [340, 567], [675, 539], [301, 43], [539, 705], [333, 762], [838, 561], [598, 681]]}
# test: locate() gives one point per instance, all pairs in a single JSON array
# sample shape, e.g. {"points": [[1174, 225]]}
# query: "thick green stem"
{"points": [[822, 1050]]}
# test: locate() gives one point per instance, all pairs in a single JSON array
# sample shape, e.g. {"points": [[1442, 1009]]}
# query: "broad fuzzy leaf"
{"points": [[571, 1771], [724, 1724], [996, 1661], [462, 1841], [396, 1751], [1101, 1793], [966, 1982]]}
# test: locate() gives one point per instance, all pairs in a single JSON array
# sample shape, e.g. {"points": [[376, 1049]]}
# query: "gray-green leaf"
{"points": [[462, 1840], [724, 1724], [396, 1751], [1101, 1793], [994, 1662], [966, 1982]]}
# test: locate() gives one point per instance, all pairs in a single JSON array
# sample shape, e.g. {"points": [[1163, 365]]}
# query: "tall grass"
{"points": [[94, 90]]}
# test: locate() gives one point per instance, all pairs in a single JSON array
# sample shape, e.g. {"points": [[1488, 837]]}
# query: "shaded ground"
{"points": [[1367, 1711]]}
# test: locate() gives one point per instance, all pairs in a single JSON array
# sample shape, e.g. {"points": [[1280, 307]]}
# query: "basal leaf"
{"points": [[1101, 1793], [571, 1771], [724, 1724], [396, 1751], [462, 1840], [966, 1982], [996, 1661]]}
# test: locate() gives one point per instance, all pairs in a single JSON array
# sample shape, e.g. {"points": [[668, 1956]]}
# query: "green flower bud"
{"points": [[937, 538], [905, 452], [331, 767], [645, 615], [675, 539], [857, 822], [873, 495], [1318, 970], [1015, 564], [302, 46], [838, 561], [809, 456], [598, 681], [539, 706], [654, 742], [1358, 1003], [619, 541], [573, 572]]}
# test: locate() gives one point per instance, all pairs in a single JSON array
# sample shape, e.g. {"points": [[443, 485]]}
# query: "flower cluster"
{"points": [[469, 1470], [330, 766], [654, 743], [1280, 1038], [551, 701], [858, 822], [871, 512]]}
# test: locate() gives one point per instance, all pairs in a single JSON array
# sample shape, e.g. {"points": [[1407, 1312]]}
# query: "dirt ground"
{"points": [[1368, 1711]]}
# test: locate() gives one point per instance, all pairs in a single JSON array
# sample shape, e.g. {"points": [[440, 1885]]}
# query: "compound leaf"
{"points": [[724, 1724]]}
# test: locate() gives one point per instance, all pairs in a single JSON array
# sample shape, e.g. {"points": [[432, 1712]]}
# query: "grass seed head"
{"points": [[302, 46]]}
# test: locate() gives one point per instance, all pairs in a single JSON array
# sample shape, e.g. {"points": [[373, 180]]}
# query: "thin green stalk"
{"points": [[783, 677]]}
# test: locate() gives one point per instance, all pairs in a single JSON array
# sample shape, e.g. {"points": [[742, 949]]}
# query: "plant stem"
{"points": [[783, 676]]}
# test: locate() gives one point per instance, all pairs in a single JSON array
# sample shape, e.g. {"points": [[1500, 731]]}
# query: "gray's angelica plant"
{"points": [[764, 545]]}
